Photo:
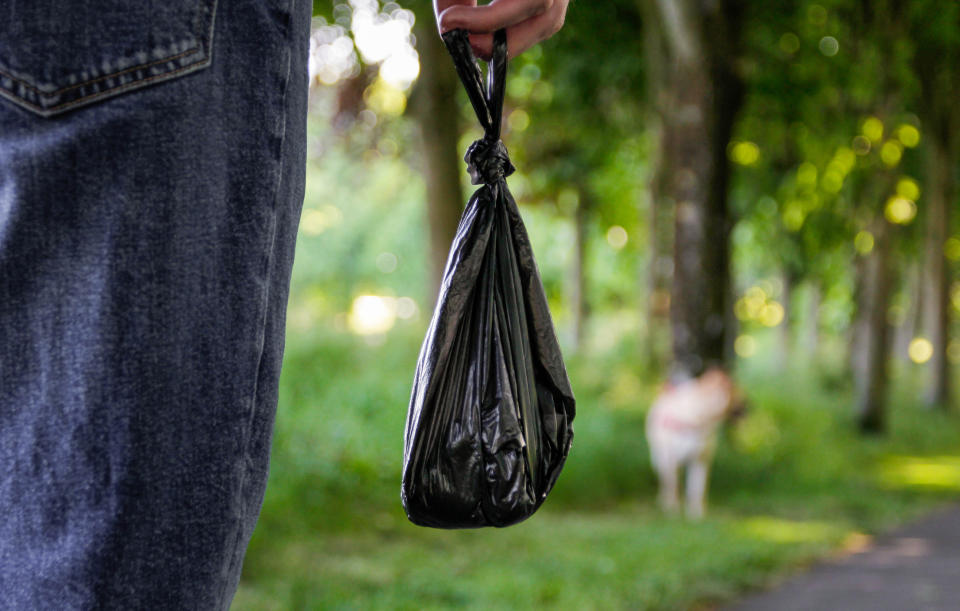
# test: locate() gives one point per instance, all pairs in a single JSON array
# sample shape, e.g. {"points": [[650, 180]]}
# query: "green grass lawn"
{"points": [[791, 483]]}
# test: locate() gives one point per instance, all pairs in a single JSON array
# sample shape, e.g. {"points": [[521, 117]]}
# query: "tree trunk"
{"points": [[856, 356], [937, 275], [659, 272], [912, 318], [657, 276], [935, 65], [704, 97], [438, 117], [873, 342]]}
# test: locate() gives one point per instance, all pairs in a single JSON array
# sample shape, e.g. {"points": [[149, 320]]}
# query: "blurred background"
{"points": [[770, 185]]}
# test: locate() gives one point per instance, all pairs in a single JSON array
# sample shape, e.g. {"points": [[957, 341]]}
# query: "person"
{"points": [[152, 167], [528, 22]]}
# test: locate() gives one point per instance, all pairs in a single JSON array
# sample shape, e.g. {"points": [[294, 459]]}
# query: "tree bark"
{"points": [[937, 274], [857, 355], [705, 94], [935, 60], [874, 340], [912, 318], [657, 276], [885, 21], [437, 115]]}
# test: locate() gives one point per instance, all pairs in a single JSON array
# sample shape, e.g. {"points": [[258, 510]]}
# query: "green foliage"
{"points": [[821, 75], [361, 227], [332, 533], [583, 95], [323, 8], [829, 85]]}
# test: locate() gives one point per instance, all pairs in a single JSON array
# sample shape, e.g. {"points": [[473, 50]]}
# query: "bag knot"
{"points": [[487, 161]]}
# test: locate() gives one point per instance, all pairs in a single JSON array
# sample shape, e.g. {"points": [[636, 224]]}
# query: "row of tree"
{"points": [[827, 129]]}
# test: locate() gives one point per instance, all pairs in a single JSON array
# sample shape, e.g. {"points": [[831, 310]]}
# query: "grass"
{"points": [[791, 483], [623, 557]]}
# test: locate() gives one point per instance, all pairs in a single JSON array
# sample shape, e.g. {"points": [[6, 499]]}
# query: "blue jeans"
{"points": [[152, 159]]}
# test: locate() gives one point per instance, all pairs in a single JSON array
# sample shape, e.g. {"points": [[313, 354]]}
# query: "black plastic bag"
{"points": [[490, 419]]}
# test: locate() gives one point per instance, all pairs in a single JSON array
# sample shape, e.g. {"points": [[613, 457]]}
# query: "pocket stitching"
{"points": [[104, 77], [208, 14], [117, 89]]}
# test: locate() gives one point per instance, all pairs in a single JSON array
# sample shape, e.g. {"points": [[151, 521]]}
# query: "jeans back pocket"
{"points": [[57, 56]]}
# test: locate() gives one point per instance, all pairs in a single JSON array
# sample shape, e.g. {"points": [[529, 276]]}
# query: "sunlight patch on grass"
{"points": [[921, 472], [855, 543], [778, 530]]}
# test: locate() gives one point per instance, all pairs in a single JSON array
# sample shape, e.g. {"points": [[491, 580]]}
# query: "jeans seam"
{"points": [[265, 304]]}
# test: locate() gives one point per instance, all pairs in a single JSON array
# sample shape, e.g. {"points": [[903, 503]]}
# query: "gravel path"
{"points": [[915, 568]]}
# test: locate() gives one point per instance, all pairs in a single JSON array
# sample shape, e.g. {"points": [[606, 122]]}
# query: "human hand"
{"points": [[527, 22]]}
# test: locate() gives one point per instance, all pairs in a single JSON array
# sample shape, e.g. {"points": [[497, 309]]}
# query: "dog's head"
{"points": [[727, 399]]}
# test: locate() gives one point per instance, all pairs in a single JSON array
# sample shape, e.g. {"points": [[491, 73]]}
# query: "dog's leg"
{"points": [[697, 473], [669, 488]]}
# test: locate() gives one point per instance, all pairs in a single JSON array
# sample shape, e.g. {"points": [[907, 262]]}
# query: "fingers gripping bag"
{"points": [[490, 419]]}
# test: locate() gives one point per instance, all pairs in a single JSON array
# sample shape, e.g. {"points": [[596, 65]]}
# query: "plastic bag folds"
{"points": [[490, 419]]}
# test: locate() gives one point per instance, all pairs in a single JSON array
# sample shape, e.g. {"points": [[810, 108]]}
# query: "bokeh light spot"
{"points": [[817, 14], [617, 237], [861, 145], [385, 98], [519, 120], [951, 249], [908, 188], [332, 55], [832, 181], [900, 210], [920, 350], [387, 262], [890, 152], [953, 351], [908, 135], [371, 315], [772, 314], [745, 346], [317, 220], [406, 308], [807, 174], [751, 304], [744, 153], [793, 215], [845, 158], [863, 242], [789, 43], [829, 46], [872, 128]]}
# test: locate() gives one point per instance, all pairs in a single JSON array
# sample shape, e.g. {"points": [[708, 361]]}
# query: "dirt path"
{"points": [[915, 568]]}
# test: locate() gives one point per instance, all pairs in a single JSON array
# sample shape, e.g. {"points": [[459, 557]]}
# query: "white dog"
{"points": [[682, 432]]}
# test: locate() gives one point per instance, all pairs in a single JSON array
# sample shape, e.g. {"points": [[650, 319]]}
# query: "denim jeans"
{"points": [[152, 159]]}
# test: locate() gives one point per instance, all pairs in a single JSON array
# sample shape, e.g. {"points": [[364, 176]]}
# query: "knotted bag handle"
{"points": [[486, 158]]}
